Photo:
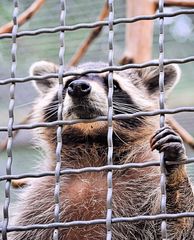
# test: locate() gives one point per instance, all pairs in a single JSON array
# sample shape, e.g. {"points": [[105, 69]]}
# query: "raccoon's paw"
{"points": [[167, 141]]}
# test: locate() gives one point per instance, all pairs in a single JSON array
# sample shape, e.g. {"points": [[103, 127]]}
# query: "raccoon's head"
{"points": [[86, 96]]}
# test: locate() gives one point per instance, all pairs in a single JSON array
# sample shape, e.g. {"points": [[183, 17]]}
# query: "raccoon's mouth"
{"points": [[84, 111], [81, 101]]}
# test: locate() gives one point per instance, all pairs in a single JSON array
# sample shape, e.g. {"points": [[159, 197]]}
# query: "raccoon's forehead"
{"points": [[131, 72], [99, 66], [129, 82], [102, 79], [126, 76], [91, 66]]}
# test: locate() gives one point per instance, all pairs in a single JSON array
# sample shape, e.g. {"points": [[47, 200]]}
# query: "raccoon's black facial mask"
{"points": [[82, 92], [87, 96], [123, 104]]}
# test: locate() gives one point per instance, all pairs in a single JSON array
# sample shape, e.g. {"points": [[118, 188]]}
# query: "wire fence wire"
{"points": [[110, 120], [162, 118], [10, 122], [109, 220], [60, 117]]}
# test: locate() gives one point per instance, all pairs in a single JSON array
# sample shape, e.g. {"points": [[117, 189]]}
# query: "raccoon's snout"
{"points": [[79, 88]]}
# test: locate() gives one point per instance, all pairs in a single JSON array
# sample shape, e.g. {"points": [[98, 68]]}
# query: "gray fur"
{"points": [[135, 191]]}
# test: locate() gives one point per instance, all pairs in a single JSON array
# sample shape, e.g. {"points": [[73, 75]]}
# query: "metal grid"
{"points": [[60, 117], [110, 124], [110, 167], [11, 122], [162, 118]]}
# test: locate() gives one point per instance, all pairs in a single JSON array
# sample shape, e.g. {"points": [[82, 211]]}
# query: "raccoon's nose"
{"points": [[79, 88]]}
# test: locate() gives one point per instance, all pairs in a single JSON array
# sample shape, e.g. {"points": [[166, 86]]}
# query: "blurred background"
{"points": [[179, 43]]}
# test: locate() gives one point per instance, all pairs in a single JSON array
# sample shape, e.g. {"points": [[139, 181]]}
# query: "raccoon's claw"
{"points": [[167, 141], [160, 141]]}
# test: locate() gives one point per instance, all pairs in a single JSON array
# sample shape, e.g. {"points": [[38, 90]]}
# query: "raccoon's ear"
{"points": [[40, 69], [150, 78]]}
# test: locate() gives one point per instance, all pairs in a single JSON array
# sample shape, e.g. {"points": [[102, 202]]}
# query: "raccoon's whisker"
{"points": [[124, 112], [54, 103], [51, 107], [25, 104], [128, 111], [119, 137], [124, 109], [48, 116], [125, 104], [46, 111], [120, 110], [50, 112]]}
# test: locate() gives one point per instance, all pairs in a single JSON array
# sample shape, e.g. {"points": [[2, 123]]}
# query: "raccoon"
{"points": [[136, 191]]}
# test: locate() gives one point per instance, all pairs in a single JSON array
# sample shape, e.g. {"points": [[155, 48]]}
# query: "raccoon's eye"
{"points": [[115, 84], [69, 81]]}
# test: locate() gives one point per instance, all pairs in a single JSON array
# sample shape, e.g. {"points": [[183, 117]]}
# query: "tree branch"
{"points": [[26, 15], [187, 138], [93, 34], [177, 3], [138, 35], [3, 145]]}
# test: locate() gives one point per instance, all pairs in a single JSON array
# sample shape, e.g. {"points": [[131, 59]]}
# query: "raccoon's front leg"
{"points": [[180, 196], [167, 141]]}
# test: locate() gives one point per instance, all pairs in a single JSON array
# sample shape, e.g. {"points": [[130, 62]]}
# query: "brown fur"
{"points": [[83, 196]]}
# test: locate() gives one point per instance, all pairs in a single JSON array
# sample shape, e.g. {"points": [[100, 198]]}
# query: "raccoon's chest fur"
{"points": [[134, 190], [83, 197]]}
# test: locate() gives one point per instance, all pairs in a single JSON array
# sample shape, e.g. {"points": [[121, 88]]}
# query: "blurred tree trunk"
{"points": [[138, 35], [178, 3]]}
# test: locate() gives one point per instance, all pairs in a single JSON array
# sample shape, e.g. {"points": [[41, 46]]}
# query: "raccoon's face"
{"points": [[86, 96]]}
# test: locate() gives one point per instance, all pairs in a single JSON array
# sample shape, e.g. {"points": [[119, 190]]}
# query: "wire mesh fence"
{"points": [[61, 29]]}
